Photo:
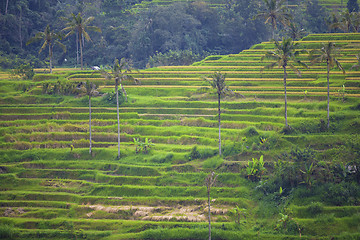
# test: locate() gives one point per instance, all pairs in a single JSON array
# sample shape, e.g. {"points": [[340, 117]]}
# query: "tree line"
{"points": [[152, 34]]}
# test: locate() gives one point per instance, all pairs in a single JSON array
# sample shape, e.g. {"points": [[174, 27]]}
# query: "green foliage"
{"points": [[110, 98], [251, 131], [174, 58], [163, 158], [7, 232], [25, 71], [194, 154], [341, 194], [143, 146], [61, 87], [238, 213], [255, 169]]}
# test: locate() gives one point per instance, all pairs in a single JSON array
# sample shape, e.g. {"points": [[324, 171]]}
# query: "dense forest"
{"points": [[152, 33]]}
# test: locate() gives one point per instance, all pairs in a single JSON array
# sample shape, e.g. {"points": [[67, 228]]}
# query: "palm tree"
{"points": [[50, 39], [275, 11], [344, 22], [327, 52], [355, 16], [76, 24], [217, 82], [119, 72], [89, 89], [285, 55], [295, 32]]}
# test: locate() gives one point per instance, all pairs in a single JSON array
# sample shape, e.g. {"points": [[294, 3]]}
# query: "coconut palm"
{"points": [[217, 82], [327, 53], [295, 32], [285, 55], [89, 89], [50, 39], [76, 24], [275, 11], [344, 22], [355, 21], [119, 72]]}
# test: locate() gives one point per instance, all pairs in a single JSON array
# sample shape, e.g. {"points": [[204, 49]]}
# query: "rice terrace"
{"points": [[259, 144]]}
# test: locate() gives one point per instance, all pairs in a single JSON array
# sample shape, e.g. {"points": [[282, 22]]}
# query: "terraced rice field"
{"points": [[52, 188]]}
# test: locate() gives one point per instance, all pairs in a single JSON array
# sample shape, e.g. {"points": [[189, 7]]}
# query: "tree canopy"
{"points": [[144, 31]]}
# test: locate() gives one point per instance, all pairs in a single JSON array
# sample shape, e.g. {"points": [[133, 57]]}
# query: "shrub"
{"points": [[342, 194], [6, 232], [314, 209], [251, 131], [162, 158], [194, 154], [287, 130], [110, 98], [25, 71], [255, 168]]}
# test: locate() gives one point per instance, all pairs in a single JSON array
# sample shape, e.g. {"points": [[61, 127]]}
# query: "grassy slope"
{"points": [[50, 190]]}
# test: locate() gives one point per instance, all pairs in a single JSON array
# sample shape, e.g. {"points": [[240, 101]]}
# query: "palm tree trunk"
{"points": [[90, 150], [118, 117], [81, 52], [6, 7], [219, 121], [77, 50], [273, 33], [20, 29], [285, 76], [328, 94], [209, 213], [50, 58]]}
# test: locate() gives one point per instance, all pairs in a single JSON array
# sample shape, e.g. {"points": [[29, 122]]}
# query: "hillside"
{"points": [[51, 187], [332, 4]]}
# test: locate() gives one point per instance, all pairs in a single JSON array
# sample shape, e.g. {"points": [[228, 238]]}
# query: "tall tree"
{"points": [[328, 53], [295, 32], [209, 182], [76, 24], [119, 72], [6, 7], [50, 39], [217, 82], [275, 11], [344, 21], [355, 16], [89, 89], [285, 55]]}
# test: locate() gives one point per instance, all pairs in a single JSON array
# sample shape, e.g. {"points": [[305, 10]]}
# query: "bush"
{"points": [[162, 158], [194, 154], [342, 194], [314, 209], [251, 131], [110, 98], [25, 71], [6, 232]]}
